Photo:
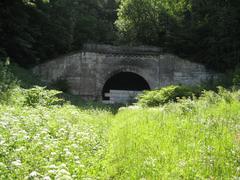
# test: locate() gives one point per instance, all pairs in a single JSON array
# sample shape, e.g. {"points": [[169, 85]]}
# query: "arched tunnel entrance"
{"points": [[123, 87]]}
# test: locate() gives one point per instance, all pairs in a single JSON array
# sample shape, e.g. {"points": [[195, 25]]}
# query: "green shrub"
{"points": [[165, 95], [41, 96], [7, 81], [221, 95]]}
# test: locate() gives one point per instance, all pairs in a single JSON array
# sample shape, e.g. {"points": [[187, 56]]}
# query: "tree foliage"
{"points": [[34, 31], [207, 31], [148, 21]]}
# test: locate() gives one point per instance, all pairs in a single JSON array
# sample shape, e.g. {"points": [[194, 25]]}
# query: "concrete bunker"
{"points": [[123, 87]]}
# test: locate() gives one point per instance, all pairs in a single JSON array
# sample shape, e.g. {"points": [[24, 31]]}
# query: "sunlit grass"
{"points": [[53, 142], [171, 143], [191, 139]]}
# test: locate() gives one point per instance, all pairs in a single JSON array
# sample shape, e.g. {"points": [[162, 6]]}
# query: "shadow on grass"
{"points": [[88, 104]]}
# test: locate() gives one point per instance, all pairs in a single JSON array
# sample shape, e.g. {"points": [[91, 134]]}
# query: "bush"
{"points": [[7, 81], [165, 95], [41, 96]]}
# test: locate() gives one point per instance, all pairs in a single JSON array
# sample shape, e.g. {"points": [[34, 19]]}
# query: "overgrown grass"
{"points": [[188, 139], [58, 142]]}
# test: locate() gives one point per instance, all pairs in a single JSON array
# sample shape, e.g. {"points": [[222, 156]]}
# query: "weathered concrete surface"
{"points": [[121, 96], [87, 71]]}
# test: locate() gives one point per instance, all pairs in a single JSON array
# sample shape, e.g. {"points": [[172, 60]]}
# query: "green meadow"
{"points": [[44, 137]]}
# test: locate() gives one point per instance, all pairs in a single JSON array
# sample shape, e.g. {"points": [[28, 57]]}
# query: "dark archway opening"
{"points": [[125, 81]]}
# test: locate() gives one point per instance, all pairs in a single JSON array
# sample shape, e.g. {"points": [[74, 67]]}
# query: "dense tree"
{"points": [[149, 21], [216, 26], [205, 30], [34, 31], [16, 38]]}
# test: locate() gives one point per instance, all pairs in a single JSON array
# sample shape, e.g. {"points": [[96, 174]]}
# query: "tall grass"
{"points": [[172, 142], [188, 139], [58, 142]]}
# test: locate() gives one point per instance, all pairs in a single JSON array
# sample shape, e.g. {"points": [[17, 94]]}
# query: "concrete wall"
{"points": [[86, 72]]}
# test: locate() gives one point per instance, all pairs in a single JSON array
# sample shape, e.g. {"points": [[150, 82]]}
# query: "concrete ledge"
{"points": [[103, 48]]}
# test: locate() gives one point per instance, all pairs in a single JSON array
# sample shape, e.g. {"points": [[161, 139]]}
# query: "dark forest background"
{"points": [[205, 31]]}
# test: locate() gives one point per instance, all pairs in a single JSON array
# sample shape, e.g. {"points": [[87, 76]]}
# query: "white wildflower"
{"points": [[19, 149], [182, 163], [62, 130], [46, 178], [2, 165], [53, 153], [45, 130], [17, 163], [150, 162], [67, 151], [63, 177], [75, 146], [81, 166], [23, 131], [33, 174], [52, 171], [78, 162], [3, 124], [63, 172], [2, 142], [47, 147], [76, 158], [36, 137], [53, 166], [63, 166], [74, 176]]}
